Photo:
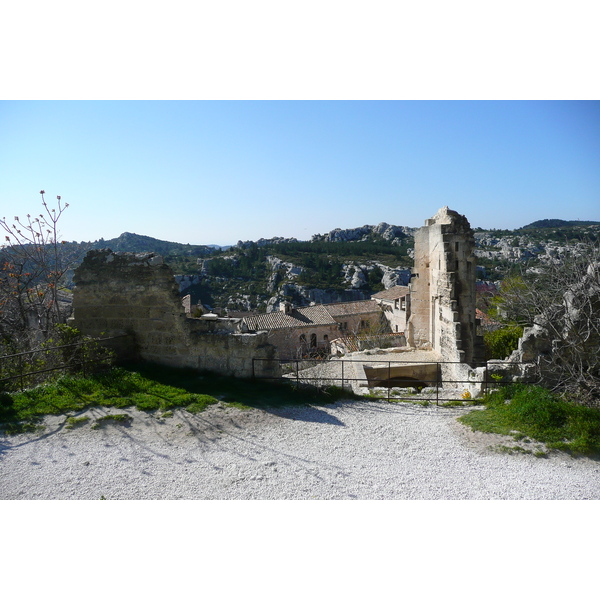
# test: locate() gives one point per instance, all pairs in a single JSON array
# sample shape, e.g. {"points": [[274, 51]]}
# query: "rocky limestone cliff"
{"points": [[265, 242], [521, 247], [390, 233]]}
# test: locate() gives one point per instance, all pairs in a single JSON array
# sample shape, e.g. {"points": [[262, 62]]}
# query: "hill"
{"points": [[133, 242], [551, 223], [341, 265]]}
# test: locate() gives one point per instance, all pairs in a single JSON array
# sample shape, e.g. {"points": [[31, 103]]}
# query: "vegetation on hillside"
{"points": [[245, 270], [240, 275], [546, 223], [381, 250], [133, 242]]}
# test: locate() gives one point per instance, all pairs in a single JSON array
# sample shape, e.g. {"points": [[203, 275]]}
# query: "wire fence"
{"points": [[399, 380], [26, 369]]}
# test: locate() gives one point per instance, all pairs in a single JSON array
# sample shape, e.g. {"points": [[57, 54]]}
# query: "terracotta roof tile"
{"points": [[398, 291], [308, 316], [360, 307]]}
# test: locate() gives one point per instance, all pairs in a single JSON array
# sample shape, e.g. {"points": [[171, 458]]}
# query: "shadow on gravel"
{"points": [[6, 445], [310, 414]]}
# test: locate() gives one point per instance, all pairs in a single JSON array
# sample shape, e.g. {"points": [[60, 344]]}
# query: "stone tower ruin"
{"points": [[443, 289]]}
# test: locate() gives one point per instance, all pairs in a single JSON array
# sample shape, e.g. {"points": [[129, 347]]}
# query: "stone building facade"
{"points": [[395, 303], [296, 332], [136, 294]]}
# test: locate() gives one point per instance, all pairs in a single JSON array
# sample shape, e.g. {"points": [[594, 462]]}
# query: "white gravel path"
{"points": [[346, 450]]}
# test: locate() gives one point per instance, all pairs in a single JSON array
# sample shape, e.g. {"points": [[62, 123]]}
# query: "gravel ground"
{"points": [[346, 450]]}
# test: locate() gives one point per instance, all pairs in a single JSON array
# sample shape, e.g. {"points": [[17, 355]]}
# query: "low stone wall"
{"points": [[399, 375], [136, 294]]}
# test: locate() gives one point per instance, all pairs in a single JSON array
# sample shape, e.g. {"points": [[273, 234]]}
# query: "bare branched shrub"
{"points": [[32, 268], [560, 301]]}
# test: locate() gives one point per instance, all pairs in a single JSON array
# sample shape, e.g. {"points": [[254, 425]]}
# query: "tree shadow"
{"points": [[203, 388], [272, 397], [308, 413]]}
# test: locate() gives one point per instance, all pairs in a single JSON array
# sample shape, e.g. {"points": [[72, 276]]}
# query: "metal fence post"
{"points": [[21, 371]]}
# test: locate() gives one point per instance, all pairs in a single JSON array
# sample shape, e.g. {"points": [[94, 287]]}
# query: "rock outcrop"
{"points": [[359, 234], [521, 248], [265, 242]]}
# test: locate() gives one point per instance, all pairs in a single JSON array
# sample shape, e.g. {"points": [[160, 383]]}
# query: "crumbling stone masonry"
{"points": [[118, 293], [443, 291]]}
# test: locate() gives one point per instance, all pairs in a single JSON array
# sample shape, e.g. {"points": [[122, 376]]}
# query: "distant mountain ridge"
{"points": [[547, 223], [384, 231], [335, 266], [133, 242]]}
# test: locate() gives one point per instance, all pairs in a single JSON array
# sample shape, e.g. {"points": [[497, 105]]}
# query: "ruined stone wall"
{"points": [[137, 294], [443, 289]]}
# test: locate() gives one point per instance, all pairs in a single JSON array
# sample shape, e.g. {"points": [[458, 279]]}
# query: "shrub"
{"points": [[502, 342]]}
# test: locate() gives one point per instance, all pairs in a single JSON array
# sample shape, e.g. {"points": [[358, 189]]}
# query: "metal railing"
{"points": [[24, 363], [341, 373]]}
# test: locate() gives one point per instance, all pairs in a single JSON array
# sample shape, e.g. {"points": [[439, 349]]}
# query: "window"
{"points": [[313, 340]]}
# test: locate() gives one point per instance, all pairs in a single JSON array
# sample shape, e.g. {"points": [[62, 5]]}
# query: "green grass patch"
{"points": [[118, 418], [73, 422], [149, 388], [534, 412]]}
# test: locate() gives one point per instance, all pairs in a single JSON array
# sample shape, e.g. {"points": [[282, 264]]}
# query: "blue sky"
{"points": [[215, 172]]}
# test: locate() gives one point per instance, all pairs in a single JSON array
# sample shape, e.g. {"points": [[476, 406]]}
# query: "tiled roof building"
{"points": [[300, 331], [297, 331], [297, 317], [345, 309]]}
